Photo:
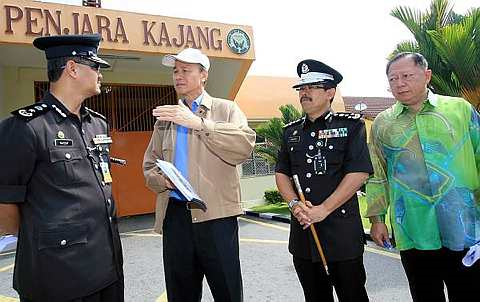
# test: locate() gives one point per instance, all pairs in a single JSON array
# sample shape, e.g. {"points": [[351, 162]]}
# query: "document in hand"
{"points": [[472, 255], [181, 183]]}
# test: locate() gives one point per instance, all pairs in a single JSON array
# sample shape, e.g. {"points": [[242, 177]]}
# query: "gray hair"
{"points": [[416, 57]]}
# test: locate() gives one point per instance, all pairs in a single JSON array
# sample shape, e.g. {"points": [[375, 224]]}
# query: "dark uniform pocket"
{"points": [[66, 165], [297, 157], [335, 152], [62, 236]]}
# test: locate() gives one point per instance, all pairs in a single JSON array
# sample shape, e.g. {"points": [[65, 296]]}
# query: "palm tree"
{"points": [[459, 46], [420, 24], [272, 131]]}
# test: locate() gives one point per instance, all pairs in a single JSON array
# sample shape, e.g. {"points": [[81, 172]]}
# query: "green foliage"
{"points": [[272, 131], [273, 197], [451, 44]]}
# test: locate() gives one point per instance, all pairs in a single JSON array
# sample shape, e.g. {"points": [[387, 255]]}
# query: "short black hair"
{"points": [[55, 68], [416, 57]]}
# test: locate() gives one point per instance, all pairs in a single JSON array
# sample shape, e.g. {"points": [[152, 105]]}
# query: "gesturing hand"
{"points": [[179, 114]]}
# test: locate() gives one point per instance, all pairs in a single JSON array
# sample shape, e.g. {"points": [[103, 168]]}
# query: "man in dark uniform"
{"points": [[328, 152], [55, 177]]}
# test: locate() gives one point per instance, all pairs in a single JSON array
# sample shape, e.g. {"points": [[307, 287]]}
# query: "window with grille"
{"points": [[257, 166], [128, 108]]}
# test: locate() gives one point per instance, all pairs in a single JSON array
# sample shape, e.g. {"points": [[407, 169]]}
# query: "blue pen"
{"points": [[387, 245]]}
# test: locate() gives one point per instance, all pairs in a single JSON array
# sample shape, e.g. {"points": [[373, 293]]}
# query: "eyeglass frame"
{"points": [[311, 86], [95, 66]]}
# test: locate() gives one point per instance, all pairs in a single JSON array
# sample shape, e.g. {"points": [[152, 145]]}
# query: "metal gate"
{"points": [[128, 109]]}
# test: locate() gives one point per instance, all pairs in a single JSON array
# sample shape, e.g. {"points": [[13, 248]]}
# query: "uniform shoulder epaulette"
{"points": [[347, 115], [300, 120], [95, 113], [30, 112]]}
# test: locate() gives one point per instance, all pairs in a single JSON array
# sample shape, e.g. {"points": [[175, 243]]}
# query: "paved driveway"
{"points": [[268, 273]]}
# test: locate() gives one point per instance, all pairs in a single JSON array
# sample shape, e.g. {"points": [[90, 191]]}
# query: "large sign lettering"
{"points": [[131, 30]]}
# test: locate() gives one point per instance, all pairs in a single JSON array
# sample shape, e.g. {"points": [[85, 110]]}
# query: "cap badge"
{"points": [[60, 134], [305, 68], [74, 53]]}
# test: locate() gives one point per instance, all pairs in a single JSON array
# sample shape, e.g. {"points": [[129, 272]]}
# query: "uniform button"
{"points": [[63, 242], [109, 201], [207, 134], [106, 149], [83, 132], [309, 160], [343, 211], [103, 183], [309, 175], [312, 134], [110, 218], [319, 144], [68, 155], [194, 218], [96, 166], [291, 148], [307, 190], [310, 147], [100, 148], [330, 147]]}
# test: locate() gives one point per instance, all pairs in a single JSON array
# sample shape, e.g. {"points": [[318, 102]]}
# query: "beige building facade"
{"points": [[134, 44]]}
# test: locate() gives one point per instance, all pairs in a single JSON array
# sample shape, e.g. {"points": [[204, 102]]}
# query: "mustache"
{"points": [[305, 98]]}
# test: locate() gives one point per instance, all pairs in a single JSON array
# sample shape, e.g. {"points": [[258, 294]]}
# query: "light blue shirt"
{"points": [[180, 160]]}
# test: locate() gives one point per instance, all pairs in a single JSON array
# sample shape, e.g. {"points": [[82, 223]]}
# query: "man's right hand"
{"points": [[9, 219], [379, 233], [300, 214], [169, 184]]}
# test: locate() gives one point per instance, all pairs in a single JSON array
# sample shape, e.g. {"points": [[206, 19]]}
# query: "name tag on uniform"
{"points": [[63, 142], [332, 133], [100, 139], [107, 177], [293, 139]]}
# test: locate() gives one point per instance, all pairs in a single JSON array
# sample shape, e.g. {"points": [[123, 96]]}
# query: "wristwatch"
{"points": [[293, 203]]}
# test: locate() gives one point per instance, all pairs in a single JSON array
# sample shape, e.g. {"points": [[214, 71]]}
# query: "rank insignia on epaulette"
{"points": [[59, 111], [32, 111], [300, 120]]}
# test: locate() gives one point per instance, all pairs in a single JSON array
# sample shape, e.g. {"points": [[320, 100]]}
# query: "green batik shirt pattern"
{"points": [[427, 168]]}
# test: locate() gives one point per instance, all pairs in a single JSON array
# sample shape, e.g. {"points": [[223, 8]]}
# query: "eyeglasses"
{"points": [[309, 87], [93, 65], [406, 77]]}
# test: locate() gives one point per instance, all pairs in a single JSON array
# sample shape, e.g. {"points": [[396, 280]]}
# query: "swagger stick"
{"points": [[312, 227]]}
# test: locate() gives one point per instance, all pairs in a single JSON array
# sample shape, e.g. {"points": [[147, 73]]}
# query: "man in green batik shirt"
{"points": [[426, 155]]}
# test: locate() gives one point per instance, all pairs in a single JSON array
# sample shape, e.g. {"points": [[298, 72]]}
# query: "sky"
{"points": [[353, 36]]}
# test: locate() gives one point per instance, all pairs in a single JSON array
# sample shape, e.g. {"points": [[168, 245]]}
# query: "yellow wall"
{"points": [[253, 188], [2, 91], [16, 84], [18, 87]]}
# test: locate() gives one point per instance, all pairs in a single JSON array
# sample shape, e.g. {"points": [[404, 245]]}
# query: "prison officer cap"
{"points": [[83, 46], [316, 72]]}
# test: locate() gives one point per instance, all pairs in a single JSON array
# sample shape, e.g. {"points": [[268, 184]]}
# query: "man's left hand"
{"points": [[179, 114]]}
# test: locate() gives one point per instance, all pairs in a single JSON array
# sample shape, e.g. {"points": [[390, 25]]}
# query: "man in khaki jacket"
{"points": [[205, 138]]}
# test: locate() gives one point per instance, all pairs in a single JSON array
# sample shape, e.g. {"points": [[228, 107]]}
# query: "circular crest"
{"points": [[238, 41]]}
